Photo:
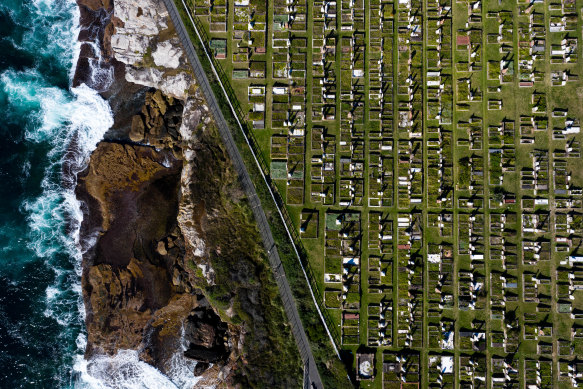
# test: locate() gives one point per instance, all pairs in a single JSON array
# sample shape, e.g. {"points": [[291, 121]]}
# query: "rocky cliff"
{"points": [[176, 268]]}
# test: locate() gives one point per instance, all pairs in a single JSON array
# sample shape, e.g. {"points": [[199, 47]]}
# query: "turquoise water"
{"points": [[41, 314]]}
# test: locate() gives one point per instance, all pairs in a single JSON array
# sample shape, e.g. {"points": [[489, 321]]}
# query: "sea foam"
{"points": [[125, 371]]}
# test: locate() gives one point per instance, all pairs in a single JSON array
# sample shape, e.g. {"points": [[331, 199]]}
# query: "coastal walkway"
{"points": [[313, 377]]}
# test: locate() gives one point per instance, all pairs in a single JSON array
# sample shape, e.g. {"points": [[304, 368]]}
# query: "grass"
{"points": [[487, 167], [332, 370], [244, 289]]}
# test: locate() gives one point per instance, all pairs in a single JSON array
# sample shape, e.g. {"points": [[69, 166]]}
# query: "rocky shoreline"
{"points": [[176, 267]]}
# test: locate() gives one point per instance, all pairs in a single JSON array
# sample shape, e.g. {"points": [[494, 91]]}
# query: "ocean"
{"points": [[48, 131], [41, 311]]}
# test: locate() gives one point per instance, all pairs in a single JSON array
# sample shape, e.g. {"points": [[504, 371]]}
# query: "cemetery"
{"points": [[429, 154]]}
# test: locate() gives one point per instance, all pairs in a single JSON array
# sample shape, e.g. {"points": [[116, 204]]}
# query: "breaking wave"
{"points": [[122, 371]]}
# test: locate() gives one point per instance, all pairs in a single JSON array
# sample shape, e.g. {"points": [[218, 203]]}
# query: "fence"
{"points": [[266, 171]]}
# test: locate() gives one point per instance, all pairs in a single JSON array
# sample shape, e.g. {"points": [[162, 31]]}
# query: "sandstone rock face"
{"points": [[141, 17], [137, 24], [176, 86], [129, 49], [144, 40], [168, 54]]}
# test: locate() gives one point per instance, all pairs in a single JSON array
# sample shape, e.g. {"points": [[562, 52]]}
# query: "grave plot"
{"points": [[401, 370], [441, 371], [538, 373], [504, 372], [473, 371], [473, 339], [441, 222], [441, 334], [380, 321]]}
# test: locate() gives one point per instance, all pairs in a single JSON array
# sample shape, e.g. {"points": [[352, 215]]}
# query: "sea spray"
{"points": [[180, 369], [121, 371], [126, 371]]}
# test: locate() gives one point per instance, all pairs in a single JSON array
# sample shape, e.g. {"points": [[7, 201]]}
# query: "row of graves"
{"points": [[342, 275], [338, 104], [409, 83], [289, 61], [350, 87], [323, 170]]}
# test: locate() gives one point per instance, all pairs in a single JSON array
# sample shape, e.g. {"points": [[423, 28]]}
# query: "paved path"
{"points": [[286, 295]]}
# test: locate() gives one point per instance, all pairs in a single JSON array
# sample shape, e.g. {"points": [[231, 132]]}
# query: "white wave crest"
{"points": [[59, 118], [68, 124], [102, 74], [125, 370], [121, 371]]}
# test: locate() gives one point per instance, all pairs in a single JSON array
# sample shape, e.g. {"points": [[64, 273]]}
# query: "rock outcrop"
{"points": [[158, 122], [135, 280], [144, 39], [125, 281], [168, 54], [177, 269], [134, 286]]}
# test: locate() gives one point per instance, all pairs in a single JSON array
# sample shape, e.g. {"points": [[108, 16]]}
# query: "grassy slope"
{"points": [[243, 275], [332, 371]]}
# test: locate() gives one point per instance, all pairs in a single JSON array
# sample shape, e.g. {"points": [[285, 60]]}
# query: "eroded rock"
{"points": [[145, 41], [206, 335], [168, 54], [138, 129], [173, 85]]}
